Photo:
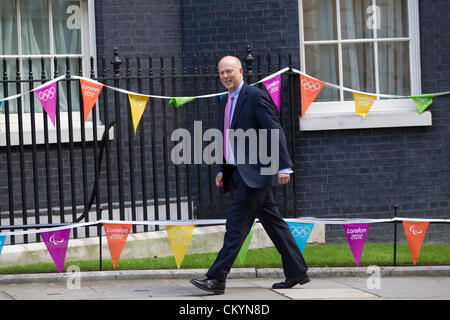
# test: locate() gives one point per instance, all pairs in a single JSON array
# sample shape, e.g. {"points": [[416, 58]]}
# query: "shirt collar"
{"points": [[236, 92]]}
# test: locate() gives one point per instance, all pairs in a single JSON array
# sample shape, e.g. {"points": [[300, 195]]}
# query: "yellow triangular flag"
{"points": [[137, 104], [363, 103], [179, 238]]}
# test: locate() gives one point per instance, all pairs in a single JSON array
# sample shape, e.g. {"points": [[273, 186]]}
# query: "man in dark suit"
{"points": [[247, 108]]}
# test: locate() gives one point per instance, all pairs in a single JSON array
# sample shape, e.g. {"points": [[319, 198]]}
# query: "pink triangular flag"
{"points": [[47, 97], [56, 243], [273, 86], [356, 235]]}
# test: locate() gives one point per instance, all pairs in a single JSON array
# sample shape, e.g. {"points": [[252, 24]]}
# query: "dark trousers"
{"points": [[247, 205]]}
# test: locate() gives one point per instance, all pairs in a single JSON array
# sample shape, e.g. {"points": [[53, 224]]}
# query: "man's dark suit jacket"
{"points": [[255, 110]]}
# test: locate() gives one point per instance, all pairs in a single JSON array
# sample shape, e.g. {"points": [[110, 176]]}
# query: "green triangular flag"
{"points": [[179, 101], [423, 101], [243, 252]]}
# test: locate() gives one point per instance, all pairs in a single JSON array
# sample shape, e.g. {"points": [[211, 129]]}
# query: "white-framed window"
{"points": [[48, 30], [366, 45]]}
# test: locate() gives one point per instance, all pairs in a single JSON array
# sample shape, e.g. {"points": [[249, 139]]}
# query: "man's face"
{"points": [[230, 72]]}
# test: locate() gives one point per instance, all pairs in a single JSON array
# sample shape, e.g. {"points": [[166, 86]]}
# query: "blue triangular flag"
{"points": [[1, 100], [300, 232], [2, 240]]}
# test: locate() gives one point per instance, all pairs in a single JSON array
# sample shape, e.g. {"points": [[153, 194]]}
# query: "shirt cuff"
{"points": [[287, 170]]}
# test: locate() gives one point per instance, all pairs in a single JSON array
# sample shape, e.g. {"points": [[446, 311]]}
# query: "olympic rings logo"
{"points": [[47, 94], [300, 231], [310, 85]]}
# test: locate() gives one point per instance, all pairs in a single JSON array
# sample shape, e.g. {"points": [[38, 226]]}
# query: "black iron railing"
{"points": [[81, 171]]}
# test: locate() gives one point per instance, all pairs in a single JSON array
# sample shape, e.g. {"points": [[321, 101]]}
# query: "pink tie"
{"points": [[226, 125]]}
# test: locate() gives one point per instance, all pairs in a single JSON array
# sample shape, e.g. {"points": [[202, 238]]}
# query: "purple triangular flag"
{"points": [[356, 235], [56, 243], [273, 86], [47, 97]]}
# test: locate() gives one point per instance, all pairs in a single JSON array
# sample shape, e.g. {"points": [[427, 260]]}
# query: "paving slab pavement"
{"points": [[243, 284]]}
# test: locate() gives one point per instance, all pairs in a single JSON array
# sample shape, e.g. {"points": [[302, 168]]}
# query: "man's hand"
{"points": [[219, 180], [283, 178]]}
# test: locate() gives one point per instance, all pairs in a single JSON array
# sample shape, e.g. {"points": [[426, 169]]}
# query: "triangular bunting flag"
{"points": [[2, 240], [179, 101], [90, 91], [116, 235], [1, 102], [137, 105], [47, 97], [179, 238], [56, 243], [301, 232], [356, 236], [244, 249], [422, 101], [363, 103], [310, 88], [273, 86], [415, 233]]}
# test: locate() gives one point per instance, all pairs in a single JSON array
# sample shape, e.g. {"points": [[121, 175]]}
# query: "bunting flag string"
{"points": [[137, 105], [300, 232], [47, 96], [116, 235], [356, 236], [179, 238], [422, 101], [363, 103], [415, 233], [218, 222], [2, 242], [180, 233], [310, 88], [90, 91], [56, 243]]}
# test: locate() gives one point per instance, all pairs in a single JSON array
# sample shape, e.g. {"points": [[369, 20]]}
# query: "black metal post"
{"points": [[395, 234], [99, 231], [116, 62]]}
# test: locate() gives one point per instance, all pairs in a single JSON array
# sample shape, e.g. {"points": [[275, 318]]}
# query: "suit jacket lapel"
{"points": [[239, 104]]}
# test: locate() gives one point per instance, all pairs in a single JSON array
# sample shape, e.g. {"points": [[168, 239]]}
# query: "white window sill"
{"points": [[350, 120], [40, 138]]}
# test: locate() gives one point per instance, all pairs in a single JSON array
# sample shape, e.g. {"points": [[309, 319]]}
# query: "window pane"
{"points": [[393, 18], [321, 62], [319, 20], [8, 27], [358, 67], [393, 64], [34, 25], [67, 26], [356, 19]]}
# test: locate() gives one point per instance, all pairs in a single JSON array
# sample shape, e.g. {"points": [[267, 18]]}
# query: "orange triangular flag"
{"points": [[415, 233], [116, 234], [90, 91], [310, 88]]}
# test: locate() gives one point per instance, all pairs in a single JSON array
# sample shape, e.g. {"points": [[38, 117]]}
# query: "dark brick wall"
{"points": [[226, 27], [138, 27], [348, 173]]}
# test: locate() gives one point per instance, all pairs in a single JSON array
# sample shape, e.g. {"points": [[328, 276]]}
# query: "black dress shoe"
{"points": [[289, 283], [210, 285]]}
